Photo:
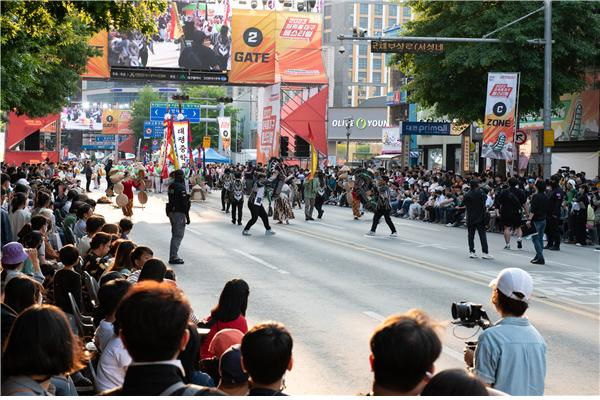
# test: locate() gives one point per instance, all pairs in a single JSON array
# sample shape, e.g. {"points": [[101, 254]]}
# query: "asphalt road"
{"points": [[331, 285]]}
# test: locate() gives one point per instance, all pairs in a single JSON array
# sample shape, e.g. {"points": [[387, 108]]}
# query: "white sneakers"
{"points": [[269, 233], [246, 233], [370, 233], [507, 247], [394, 235], [485, 256], [472, 255]]}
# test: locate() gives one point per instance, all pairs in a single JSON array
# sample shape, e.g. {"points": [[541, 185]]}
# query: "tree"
{"points": [[44, 46], [454, 82], [141, 111]]}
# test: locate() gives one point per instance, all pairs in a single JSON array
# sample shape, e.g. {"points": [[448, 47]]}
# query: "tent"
{"points": [[211, 157]]}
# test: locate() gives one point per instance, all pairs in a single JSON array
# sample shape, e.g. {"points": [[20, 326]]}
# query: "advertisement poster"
{"points": [[97, 67], [500, 110], [181, 130], [192, 35], [116, 122], [392, 141], [225, 131], [267, 145], [253, 47]]}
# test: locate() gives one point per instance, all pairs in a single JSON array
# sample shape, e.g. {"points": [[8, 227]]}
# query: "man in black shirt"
{"points": [[509, 202], [178, 209], [555, 200], [538, 213], [87, 170], [474, 202], [198, 56]]}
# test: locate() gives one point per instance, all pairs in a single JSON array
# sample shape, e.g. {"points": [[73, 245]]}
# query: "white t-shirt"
{"points": [[104, 333], [112, 366], [84, 245]]}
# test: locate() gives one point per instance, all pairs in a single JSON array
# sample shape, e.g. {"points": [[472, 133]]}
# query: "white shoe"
{"points": [[394, 235], [487, 256], [472, 255], [370, 233], [246, 233], [269, 233], [507, 247], [449, 225]]}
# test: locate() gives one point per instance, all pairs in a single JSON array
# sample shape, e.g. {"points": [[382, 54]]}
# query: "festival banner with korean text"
{"points": [[225, 131], [500, 111], [181, 131], [267, 145]]}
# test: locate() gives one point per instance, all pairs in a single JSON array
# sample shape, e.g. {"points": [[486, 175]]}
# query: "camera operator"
{"points": [[511, 355]]}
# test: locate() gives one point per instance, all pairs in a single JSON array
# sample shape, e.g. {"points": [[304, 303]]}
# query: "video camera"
{"points": [[470, 315]]}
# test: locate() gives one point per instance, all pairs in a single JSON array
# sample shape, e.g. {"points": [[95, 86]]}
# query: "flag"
{"points": [[314, 155], [176, 29], [227, 13]]}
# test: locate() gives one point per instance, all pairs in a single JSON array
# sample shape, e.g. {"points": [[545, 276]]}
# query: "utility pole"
{"points": [[547, 151], [348, 121]]}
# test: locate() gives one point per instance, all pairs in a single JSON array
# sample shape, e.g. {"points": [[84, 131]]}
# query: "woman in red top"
{"points": [[230, 312]]}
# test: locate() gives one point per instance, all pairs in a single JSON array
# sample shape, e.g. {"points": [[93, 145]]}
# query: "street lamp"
{"points": [[348, 123]]}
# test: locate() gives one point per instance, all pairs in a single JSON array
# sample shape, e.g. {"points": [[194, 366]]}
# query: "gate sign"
{"points": [[153, 129], [520, 137], [225, 131], [190, 111]]}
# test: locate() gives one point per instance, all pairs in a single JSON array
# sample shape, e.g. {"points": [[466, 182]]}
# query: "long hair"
{"points": [[233, 301], [123, 256]]}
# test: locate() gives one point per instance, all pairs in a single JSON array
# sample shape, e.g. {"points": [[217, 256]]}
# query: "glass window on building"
{"points": [[327, 23], [362, 49], [362, 92], [376, 77], [377, 64], [378, 23], [362, 76], [393, 10], [378, 9], [364, 22], [406, 11], [362, 62], [364, 8]]}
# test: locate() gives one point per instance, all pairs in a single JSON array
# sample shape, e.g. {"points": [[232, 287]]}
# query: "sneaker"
{"points": [[370, 233], [519, 244], [269, 233], [472, 255], [449, 224], [487, 256], [507, 247], [578, 244], [539, 261], [394, 234], [176, 261], [239, 222], [246, 233]]}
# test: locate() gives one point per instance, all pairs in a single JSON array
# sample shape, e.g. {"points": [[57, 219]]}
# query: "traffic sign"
{"points": [[520, 137], [153, 130], [191, 111], [206, 142], [549, 138]]}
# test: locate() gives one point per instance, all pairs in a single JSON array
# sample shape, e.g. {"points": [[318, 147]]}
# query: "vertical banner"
{"points": [[267, 145], [97, 67], [500, 109], [392, 141], [225, 131], [181, 131], [253, 46], [466, 153]]}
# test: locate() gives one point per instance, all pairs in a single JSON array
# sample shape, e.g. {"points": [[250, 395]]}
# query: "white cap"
{"points": [[514, 280]]}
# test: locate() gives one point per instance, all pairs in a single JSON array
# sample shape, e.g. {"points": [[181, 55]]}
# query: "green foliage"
{"points": [[45, 46], [141, 111], [454, 83]]}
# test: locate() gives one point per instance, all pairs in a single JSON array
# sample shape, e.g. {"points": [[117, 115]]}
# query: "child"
{"points": [[125, 225]]}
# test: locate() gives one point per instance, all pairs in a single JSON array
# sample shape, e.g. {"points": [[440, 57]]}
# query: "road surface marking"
{"points": [[260, 261], [324, 224], [417, 226], [547, 261], [374, 315]]}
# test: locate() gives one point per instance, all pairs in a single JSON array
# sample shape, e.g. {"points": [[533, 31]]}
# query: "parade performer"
{"points": [[236, 198], [382, 207], [320, 199], [178, 211], [310, 194], [283, 208], [255, 204], [128, 184], [226, 181]]}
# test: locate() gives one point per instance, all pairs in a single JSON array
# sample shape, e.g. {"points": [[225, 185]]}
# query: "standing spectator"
{"points": [[152, 320], [511, 355], [595, 203], [510, 201], [403, 352], [40, 345], [266, 356], [109, 184], [178, 211], [475, 205], [580, 205], [538, 214], [230, 312], [555, 202], [311, 185], [88, 171]]}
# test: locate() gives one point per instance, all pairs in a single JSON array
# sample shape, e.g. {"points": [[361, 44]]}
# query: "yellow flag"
{"points": [[314, 160], [176, 29]]}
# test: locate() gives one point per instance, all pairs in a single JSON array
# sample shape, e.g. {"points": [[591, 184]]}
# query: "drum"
{"points": [[143, 197], [122, 200], [118, 188], [116, 177]]}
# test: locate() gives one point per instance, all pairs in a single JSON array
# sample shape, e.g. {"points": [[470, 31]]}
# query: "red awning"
{"points": [[312, 112], [19, 127]]}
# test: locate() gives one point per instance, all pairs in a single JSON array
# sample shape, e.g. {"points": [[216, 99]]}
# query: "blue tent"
{"points": [[212, 157]]}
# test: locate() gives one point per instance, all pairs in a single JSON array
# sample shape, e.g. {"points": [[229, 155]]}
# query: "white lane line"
{"points": [[445, 349], [260, 261], [417, 226], [324, 224]]}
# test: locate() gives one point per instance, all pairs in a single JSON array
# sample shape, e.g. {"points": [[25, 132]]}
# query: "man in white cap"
{"points": [[511, 355]]}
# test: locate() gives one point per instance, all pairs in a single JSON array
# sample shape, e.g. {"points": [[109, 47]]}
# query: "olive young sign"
{"points": [[366, 123]]}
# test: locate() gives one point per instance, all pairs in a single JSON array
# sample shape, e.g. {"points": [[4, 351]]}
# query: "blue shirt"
{"points": [[511, 356]]}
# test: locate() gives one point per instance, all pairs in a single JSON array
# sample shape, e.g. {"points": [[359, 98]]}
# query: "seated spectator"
{"points": [[19, 215], [40, 345], [41, 224], [222, 340], [153, 270], [95, 263], [139, 256], [112, 275], [92, 226], [170, 274], [33, 240], [152, 321], [13, 259], [83, 213], [403, 351], [71, 217], [112, 229], [21, 292], [125, 226], [114, 359], [454, 382], [122, 262], [266, 356], [190, 359], [234, 381], [114, 245], [67, 280]]}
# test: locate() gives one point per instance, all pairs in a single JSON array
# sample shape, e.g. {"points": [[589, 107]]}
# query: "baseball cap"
{"points": [[13, 253], [223, 340], [511, 281], [230, 367]]}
